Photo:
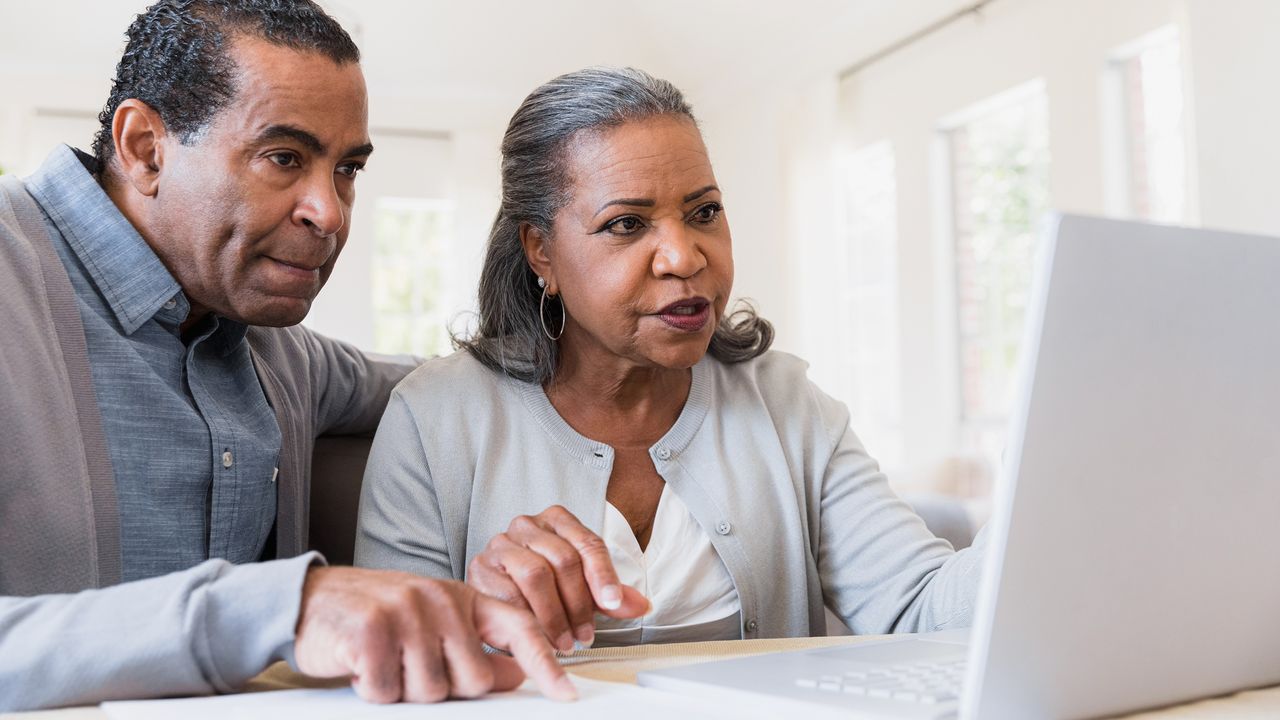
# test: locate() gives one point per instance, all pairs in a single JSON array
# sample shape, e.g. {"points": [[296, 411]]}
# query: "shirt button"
{"points": [[226, 459], [275, 473], [723, 527], [664, 454], [752, 626], [173, 303]]}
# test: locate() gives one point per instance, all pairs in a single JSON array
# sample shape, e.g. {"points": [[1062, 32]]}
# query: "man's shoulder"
{"points": [[15, 202]]}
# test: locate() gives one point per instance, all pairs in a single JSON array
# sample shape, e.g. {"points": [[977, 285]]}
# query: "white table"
{"points": [[622, 665]]}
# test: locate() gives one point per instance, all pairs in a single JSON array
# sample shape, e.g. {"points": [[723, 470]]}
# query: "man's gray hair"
{"points": [[535, 186]]}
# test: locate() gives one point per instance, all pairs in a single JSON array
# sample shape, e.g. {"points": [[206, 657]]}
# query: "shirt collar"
{"points": [[126, 271]]}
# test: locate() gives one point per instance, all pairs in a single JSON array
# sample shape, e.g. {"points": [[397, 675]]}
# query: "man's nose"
{"points": [[321, 208]]}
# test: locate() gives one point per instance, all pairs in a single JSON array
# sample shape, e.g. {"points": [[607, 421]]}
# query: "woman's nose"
{"points": [[678, 254]]}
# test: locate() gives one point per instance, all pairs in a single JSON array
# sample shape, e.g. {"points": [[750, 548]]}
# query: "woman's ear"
{"points": [[535, 252], [138, 134]]}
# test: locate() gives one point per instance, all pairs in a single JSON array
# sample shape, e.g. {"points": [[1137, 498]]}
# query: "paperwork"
{"points": [[598, 700]]}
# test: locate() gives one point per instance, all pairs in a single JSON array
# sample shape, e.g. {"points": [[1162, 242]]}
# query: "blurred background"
{"points": [[885, 163]]}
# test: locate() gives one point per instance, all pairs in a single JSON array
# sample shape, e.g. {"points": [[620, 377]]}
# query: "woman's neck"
{"points": [[614, 400]]}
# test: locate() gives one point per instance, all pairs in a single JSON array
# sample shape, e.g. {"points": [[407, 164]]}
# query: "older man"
{"points": [[159, 403]]}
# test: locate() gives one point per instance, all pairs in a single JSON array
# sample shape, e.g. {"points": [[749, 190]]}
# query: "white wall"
{"points": [[1233, 154], [1234, 56]]}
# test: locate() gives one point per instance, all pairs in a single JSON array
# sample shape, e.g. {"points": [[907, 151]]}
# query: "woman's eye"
{"points": [[707, 213], [624, 225]]}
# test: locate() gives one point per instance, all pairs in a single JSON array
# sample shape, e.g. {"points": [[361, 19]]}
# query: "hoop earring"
{"points": [[542, 314]]}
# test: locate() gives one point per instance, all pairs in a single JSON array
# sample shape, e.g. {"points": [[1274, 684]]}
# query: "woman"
{"points": [[609, 433]]}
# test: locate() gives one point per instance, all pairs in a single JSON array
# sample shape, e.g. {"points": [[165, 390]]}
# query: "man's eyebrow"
{"points": [[297, 134], [642, 202], [699, 193]]}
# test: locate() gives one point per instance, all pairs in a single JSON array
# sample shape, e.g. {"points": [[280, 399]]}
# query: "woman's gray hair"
{"points": [[510, 337]]}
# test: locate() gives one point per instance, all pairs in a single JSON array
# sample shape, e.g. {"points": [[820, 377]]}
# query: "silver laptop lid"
{"points": [[1141, 565]]}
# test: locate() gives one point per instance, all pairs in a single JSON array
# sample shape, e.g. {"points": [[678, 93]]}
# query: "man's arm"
{"points": [[204, 630], [213, 627], [353, 386]]}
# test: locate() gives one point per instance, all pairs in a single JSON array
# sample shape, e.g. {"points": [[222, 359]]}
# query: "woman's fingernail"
{"points": [[565, 643], [611, 597], [586, 634]]}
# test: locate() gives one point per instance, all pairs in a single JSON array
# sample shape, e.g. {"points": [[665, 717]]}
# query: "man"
{"points": [[160, 403]]}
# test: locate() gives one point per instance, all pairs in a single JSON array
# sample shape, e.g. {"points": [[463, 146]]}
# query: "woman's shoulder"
{"points": [[769, 371], [780, 382], [453, 380]]}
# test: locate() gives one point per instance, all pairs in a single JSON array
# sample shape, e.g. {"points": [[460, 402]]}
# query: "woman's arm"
{"points": [[400, 525], [881, 569]]}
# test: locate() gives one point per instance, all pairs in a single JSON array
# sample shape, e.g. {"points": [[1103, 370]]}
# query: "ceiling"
{"points": [[479, 57]]}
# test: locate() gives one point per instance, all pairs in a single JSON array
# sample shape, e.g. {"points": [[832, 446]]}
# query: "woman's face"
{"points": [[641, 256]]}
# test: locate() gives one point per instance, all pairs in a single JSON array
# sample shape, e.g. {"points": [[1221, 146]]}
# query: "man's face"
{"points": [[250, 217]]}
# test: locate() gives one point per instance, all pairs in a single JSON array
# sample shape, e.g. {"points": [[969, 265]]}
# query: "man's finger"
{"points": [[425, 677], [507, 628], [376, 670], [470, 672], [507, 674]]}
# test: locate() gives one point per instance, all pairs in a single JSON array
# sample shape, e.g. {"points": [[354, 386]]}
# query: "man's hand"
{"points": [[404, 637], [553, 565]]}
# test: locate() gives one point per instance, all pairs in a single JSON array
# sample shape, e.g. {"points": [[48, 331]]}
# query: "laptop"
{"points": [[1134, 547]]}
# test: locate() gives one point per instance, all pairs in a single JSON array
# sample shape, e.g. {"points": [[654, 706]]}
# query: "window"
{"points": [[871, 371], [410, 303], [1148, 77], [999, 166]]}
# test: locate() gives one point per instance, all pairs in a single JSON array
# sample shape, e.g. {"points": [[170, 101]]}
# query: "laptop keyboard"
{"points": [[925, 682]]}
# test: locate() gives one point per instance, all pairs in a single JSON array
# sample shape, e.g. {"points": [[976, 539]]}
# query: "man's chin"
{"points": [[276, 312]]}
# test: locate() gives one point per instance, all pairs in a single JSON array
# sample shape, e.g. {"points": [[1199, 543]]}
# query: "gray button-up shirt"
{"points": [[194, 445]]}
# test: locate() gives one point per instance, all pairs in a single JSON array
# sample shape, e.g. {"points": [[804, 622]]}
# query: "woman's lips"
{"points": [[686, 315]]}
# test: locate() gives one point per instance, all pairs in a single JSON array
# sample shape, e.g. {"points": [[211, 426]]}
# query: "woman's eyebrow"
{"points": [[646, 202], [642, 202], [699, 193]]}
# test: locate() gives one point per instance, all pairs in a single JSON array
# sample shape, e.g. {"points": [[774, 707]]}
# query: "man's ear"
{"points": [[535, 252], [139, 134]]}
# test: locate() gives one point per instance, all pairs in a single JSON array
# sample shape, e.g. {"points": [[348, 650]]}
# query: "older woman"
{"points": [[609, 433]]}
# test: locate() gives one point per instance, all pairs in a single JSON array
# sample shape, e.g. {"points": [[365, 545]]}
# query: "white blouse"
{"points": [[680, 572]]}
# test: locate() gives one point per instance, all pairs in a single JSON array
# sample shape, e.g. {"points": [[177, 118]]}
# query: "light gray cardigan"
{"points": [[765, 461]]}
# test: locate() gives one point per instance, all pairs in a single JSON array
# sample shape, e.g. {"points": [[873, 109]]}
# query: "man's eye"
{"points": [[285, 159], [350, 169], [624, 225]]}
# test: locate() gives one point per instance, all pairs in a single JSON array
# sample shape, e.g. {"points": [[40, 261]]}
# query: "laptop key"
{"points": [[880, 692]]}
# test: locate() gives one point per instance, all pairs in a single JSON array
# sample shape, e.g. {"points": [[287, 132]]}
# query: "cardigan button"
{"points": [[723, 527], [664, 454], [752, 626]]}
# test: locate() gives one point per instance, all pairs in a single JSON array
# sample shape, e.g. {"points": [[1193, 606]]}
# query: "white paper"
{"points": [[597, 701]]}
